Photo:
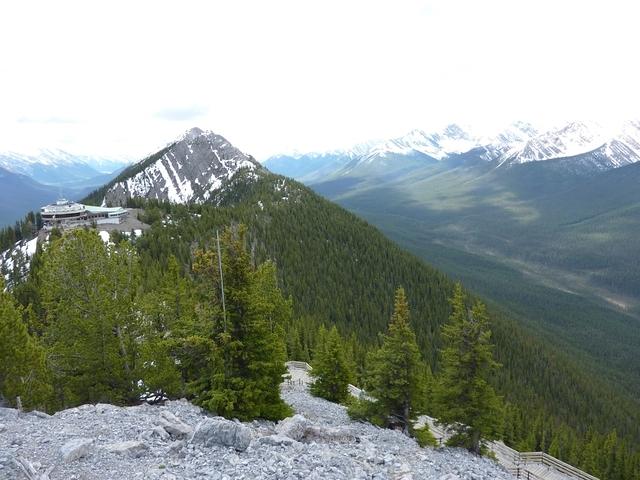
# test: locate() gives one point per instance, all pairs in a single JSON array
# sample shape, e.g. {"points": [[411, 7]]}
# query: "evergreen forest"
{"points": [[95, 322]]}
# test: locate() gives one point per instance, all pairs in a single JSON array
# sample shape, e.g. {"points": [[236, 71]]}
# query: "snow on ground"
{"points": [[105, 236], [20, 253]]}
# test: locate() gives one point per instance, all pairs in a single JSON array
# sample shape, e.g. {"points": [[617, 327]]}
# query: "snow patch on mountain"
{"points": [[603, 147], [193, 167], [15, 262], [570, 140], [438, 145]]}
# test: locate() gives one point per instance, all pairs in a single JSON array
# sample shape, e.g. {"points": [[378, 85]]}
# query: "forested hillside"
{"points": [[340, 271]]}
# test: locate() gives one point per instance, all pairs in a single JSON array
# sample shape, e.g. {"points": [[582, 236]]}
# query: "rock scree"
{"points": [[180, 441]]}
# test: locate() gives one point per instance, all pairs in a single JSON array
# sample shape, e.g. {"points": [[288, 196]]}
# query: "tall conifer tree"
{"points": [[467, 404], [249, 352], [331, 369], [23, 371], [89, 292], [396, 370]]}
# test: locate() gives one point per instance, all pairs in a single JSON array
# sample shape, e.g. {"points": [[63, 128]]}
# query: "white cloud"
{"points": [[129, 76]]}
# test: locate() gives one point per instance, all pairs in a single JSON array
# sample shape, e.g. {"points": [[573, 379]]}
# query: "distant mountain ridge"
{"points": [[190, 169], [61, 168], [20, 194], [615, 149], [590, 144], [28, 181]]}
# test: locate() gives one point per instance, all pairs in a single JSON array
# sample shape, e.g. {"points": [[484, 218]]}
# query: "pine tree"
{"points": [[396, 370], [331, 370], [88, 293], [166, 316], [249, 351], [466, 402], [23, 370]]}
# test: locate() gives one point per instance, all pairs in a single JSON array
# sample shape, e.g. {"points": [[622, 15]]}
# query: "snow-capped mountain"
{"points": [[190, 169], [437, 145], [57, 167], [587, 143]]}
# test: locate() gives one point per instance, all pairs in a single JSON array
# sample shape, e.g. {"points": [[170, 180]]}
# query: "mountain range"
{"points": [[31, 180], [20, 194], [599, 148], [544, 223], [454, 205], [567, 361], [523, 196]]}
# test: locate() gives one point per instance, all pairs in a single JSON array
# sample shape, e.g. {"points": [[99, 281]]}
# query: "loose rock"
{"points": [[76, 448], [173, 425], [293, 427], [132, 448], [218, 431], [331, 446]]}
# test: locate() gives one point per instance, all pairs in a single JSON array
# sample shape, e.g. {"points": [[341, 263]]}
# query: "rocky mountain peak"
{"points": [[189, 170], [455, 131], [193, 133]]}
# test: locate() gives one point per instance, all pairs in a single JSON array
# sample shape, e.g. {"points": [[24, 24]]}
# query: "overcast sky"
{"points": [[123, 78]]}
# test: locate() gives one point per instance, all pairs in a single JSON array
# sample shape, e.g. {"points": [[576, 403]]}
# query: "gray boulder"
{"points": [[76, 448], [132, 448], [173, 425], [329, 434], [218, 431], [276, 440], [293, 427]]}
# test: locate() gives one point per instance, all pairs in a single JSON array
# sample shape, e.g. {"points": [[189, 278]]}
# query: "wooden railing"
{"points": [[559, 465], [523, 474], [299, 365]]}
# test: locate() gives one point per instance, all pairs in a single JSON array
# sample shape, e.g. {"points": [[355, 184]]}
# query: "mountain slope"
{"points": [[529, 236], [340, 270], [187, 170], [20, 194]]}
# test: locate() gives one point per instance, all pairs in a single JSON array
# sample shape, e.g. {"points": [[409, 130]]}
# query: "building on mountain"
{"points": [[67, 214]]}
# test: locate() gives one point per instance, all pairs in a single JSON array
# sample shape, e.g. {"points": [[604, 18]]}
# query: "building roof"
{"points": [[66, 206], [92, 209]]}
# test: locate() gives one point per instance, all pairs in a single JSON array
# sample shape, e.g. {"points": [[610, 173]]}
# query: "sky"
{"points": [[123, 78]]}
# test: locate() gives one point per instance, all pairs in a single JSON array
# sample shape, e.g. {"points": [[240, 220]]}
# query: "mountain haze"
{"points": [[20, 194]]}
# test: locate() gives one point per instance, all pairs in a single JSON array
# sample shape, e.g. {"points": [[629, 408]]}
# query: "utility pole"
{"points": [[224, 309]]}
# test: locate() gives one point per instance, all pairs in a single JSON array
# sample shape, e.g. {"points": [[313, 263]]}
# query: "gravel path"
{"points": [[153, 442]]}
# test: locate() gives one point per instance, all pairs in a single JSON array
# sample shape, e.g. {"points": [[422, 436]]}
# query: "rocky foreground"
{"points": [[180, 441]]}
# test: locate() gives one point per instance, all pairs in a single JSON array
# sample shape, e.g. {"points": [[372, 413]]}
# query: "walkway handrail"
{"points": [[299, 365], [548, 460], [524, 474]]}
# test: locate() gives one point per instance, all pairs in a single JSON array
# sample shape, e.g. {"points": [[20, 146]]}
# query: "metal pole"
{"points": [[224, 309]]}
